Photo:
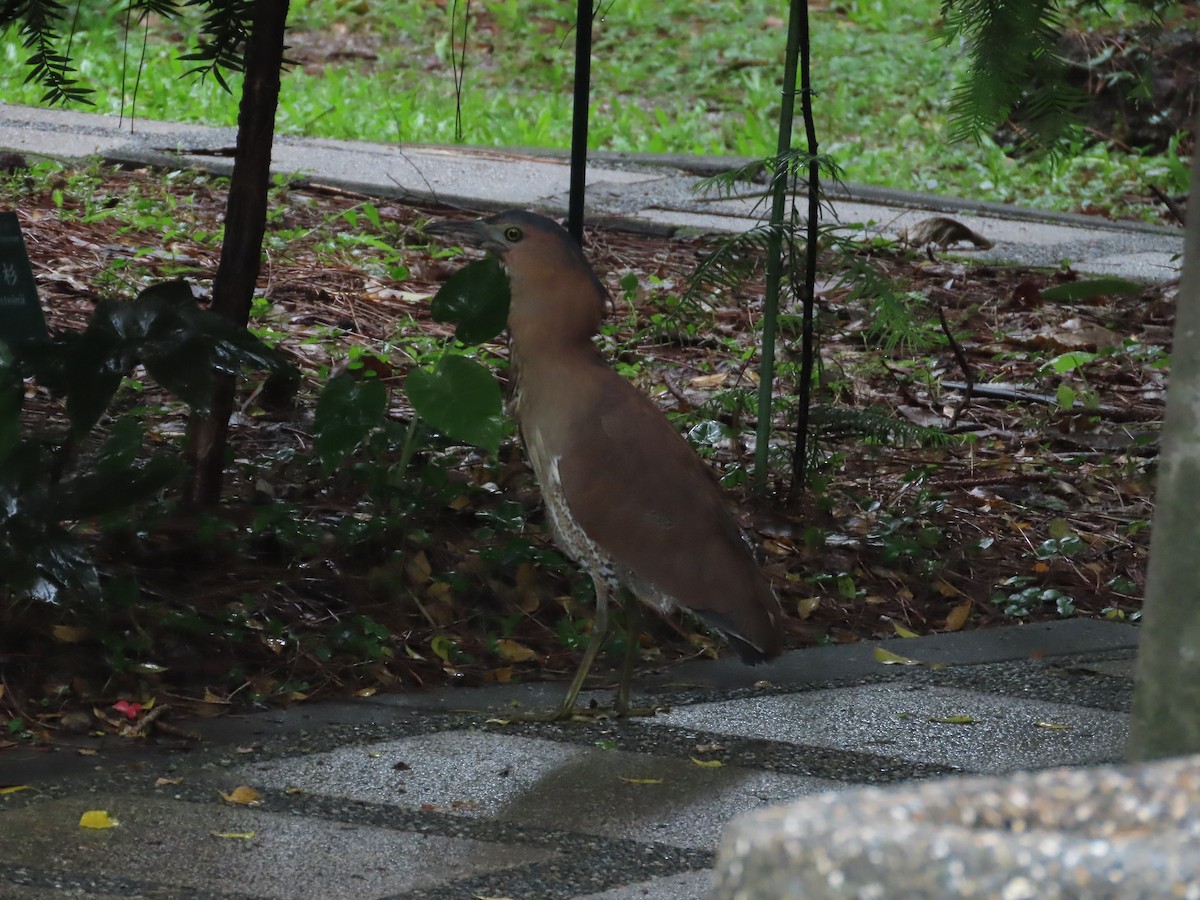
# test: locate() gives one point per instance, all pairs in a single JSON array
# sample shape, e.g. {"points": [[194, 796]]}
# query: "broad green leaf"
{"points": [[347, 412], [460, 398], [1069, 362], [475, 298], [1087, 290]]}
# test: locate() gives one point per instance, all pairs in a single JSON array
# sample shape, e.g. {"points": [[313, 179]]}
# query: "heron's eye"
{"points": [[512, 234]]}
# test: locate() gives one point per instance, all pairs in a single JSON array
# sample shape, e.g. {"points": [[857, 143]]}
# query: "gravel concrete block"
{"points": [[187, 848], [520, 780], [674, 887], [1107, 832], [939, 725]]}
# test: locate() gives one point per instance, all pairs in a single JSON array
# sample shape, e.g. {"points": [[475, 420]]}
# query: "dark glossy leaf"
{"points": [[461, 399], [12, 398], [92, 375], [181, 362], [120, 451], [475, 298], [173, 293], [64, 564], [234, 348], [97, 493], [347, 411], [1088, 290]]}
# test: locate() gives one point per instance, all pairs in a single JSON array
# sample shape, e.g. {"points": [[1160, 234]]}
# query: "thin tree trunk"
{"points": [[579, 122], [774, 278], [1166, 698], [245, 225], [804, 389]]}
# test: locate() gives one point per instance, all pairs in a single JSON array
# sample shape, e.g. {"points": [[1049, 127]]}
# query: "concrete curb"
{"points": [[1107, 832]]}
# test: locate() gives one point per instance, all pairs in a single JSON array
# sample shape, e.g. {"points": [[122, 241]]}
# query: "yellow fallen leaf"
{"points": [[954, 720], [163, 782], [945, 588], [958, 616], [418, 569], [233, 835], [640, 780], [97, 818], [499, 675], [442, 647], [69, 634], [807, 606], [903, 632], [367, 691], [1055, 725], [707, 763], [13, 788], [707, 382], [244, 795], [888, 658], [512, 651]]}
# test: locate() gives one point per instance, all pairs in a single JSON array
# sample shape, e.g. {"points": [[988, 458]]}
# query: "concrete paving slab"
{"points": [[1032, 641], [171, 844], [460, 175], [560, 786], [1117, 668], [1005, 734], [40, 892], [1148, 257], [649, 190]]}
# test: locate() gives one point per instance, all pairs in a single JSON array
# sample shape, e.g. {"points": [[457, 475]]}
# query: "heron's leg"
{"points": [[633, 627], [595, 642]]}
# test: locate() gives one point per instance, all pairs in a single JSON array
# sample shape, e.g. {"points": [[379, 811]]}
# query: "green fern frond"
{"points": [[224, 33], [877, 425], [730, 263], [38, 22], [1013, 48], [792, 164]]}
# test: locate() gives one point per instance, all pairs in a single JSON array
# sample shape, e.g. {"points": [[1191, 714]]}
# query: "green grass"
{"points": [[668, 76]]}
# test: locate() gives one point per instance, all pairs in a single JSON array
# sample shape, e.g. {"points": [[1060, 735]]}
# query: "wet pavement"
{"points": [[433, 796]]}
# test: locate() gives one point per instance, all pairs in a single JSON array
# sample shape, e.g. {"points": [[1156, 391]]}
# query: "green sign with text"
{"points": [[20, 311]]}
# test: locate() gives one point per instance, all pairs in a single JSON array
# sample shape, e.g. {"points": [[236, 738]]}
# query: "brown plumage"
{"points": [[626, 495]]}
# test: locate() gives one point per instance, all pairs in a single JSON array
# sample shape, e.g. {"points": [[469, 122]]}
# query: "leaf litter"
{"points": [[1040, 511]]}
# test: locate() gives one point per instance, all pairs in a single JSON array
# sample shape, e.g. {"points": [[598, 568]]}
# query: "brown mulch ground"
{"points": [[459, 582]]}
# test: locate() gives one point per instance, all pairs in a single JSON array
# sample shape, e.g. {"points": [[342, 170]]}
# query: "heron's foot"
{"points": [[624, 711]]}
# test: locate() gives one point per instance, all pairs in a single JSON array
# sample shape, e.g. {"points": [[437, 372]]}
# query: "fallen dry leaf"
{"points": [[97, 818], [888, 658], [243, 795], [957, 617]]}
